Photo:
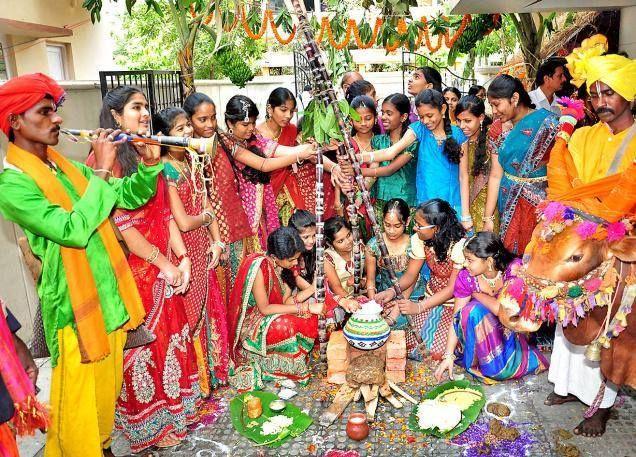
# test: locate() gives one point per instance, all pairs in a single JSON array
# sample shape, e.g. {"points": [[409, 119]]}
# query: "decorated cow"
{"points": [[579, 271]]}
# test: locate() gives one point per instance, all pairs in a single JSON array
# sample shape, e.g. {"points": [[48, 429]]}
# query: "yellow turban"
{"points": [[587, 64]]}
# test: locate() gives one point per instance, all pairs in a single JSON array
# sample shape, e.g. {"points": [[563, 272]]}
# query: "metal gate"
{"points": [[162, 87], [302, 74]]}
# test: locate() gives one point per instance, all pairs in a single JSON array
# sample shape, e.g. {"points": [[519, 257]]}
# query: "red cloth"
{"points": [[19, 94], [160, 391]]}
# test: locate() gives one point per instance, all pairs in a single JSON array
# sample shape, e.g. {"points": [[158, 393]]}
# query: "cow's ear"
{"points": [[624, 249]]}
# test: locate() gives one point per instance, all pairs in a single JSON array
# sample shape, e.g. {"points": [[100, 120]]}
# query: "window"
{"points": [[4, 74], [56, 54]]}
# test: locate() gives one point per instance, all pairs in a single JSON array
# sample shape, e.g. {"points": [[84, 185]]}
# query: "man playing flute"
{"points": [[87, 292]]}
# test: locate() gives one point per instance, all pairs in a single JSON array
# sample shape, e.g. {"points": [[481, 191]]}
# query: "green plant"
{"points": [[320, 122]]}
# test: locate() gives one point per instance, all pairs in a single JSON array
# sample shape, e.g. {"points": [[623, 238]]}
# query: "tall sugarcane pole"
{"points": [[320, 254], [346, 154]]}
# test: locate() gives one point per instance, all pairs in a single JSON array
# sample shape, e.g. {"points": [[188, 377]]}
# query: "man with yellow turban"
{"points": [[88, 295], [586, 171]]}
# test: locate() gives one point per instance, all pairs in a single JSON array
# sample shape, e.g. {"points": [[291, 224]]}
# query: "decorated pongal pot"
{"points": [[366, 329]]}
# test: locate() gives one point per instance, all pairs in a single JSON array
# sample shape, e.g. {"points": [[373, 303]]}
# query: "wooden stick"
{"points": [[320, 257], [342, 399], [406, 396]]}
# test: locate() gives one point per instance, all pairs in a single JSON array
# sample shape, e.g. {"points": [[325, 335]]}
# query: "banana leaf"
{"points": [[251, 428], [469, 415]]}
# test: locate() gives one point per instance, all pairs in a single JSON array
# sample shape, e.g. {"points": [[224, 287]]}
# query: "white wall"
{"points": [[627, 35]]}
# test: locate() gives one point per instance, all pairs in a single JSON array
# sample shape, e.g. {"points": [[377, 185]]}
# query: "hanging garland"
{"points": [[281, 40], [352, 32]]}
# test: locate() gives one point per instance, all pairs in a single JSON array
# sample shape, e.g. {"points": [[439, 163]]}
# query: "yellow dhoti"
{"points": [[83, 398]]}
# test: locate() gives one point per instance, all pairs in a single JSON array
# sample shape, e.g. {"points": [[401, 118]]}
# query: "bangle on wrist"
{"points": [[419, 307], [152, 258], [489, 218], [468, 218], [182, 256], [103, 170], [449, 356], [220, 244], [151, 163]]}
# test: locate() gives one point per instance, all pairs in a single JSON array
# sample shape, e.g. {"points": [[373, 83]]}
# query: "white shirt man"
{"points": [[550, 79]]}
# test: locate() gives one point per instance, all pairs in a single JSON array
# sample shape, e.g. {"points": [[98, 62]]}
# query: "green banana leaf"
{"points": [[468, 416], [251, 428]]}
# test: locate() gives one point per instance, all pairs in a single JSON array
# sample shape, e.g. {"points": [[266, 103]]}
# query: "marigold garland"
{"points": [[374, 35], [277, 35], [352, 30], [263, 28]]}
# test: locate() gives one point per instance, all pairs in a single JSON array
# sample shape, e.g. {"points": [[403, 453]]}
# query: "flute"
{"points": [[200, 145]]}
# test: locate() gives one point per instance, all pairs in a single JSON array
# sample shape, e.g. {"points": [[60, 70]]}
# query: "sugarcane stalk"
{"points": [[324, 89], [319, 274]]}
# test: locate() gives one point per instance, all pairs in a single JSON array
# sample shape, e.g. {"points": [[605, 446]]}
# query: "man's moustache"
{"points": [[605, 110]]}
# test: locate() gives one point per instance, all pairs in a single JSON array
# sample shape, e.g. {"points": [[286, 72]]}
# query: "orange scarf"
{"points": [[609, 198], [91, 331]]}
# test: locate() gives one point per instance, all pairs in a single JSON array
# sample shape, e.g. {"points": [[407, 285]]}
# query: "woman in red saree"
{"points": [[271, 330], [192, 212], [160, 393], [294, 186]]}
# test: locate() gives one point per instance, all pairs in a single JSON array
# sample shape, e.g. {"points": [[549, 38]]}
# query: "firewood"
{"points": [[373, 404], [406, 396], [342, 399]]}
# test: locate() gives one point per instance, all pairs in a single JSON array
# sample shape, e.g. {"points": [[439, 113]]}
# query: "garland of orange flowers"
{"points": [[352, 29], [374, 35], [263, 28], [280, 39]]}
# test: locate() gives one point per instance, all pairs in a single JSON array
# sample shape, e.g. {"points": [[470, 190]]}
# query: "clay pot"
{"points": [[357, 427], [366, 329]]}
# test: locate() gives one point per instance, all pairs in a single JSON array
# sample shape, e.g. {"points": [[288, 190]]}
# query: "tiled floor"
{"points": [[390, 435]]}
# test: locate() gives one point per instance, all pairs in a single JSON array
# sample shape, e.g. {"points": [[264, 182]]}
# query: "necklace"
{"points": [[360, 145], [492, 283], [275, 136]]}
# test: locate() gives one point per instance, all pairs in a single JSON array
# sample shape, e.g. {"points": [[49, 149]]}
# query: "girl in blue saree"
{"points": [[477, 341], [518, 174], [441, 147]]}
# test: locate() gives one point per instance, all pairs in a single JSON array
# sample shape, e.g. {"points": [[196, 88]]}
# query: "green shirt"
{"points": [[48, 226], [401, 183]]}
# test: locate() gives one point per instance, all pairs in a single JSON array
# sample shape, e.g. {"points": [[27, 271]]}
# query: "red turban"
{"points": [[19, 94]]}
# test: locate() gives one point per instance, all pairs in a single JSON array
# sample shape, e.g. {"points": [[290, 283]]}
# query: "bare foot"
{"points": [[108, 453], [170, 440], [556, 399], [595, 425]]}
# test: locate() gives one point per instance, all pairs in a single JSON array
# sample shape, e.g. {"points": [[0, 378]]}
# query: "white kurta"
{"points": [[572, 373]]}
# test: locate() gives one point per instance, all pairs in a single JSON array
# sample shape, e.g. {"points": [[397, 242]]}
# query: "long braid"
{"points": [[452, 149], [481, 165]]}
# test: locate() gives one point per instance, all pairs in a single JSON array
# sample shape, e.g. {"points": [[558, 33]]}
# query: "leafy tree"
{"points": [[145, 43], [187, 17]]}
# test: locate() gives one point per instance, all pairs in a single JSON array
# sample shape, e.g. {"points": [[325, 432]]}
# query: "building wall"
{"points": [[627, 36], [89, 49]]}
